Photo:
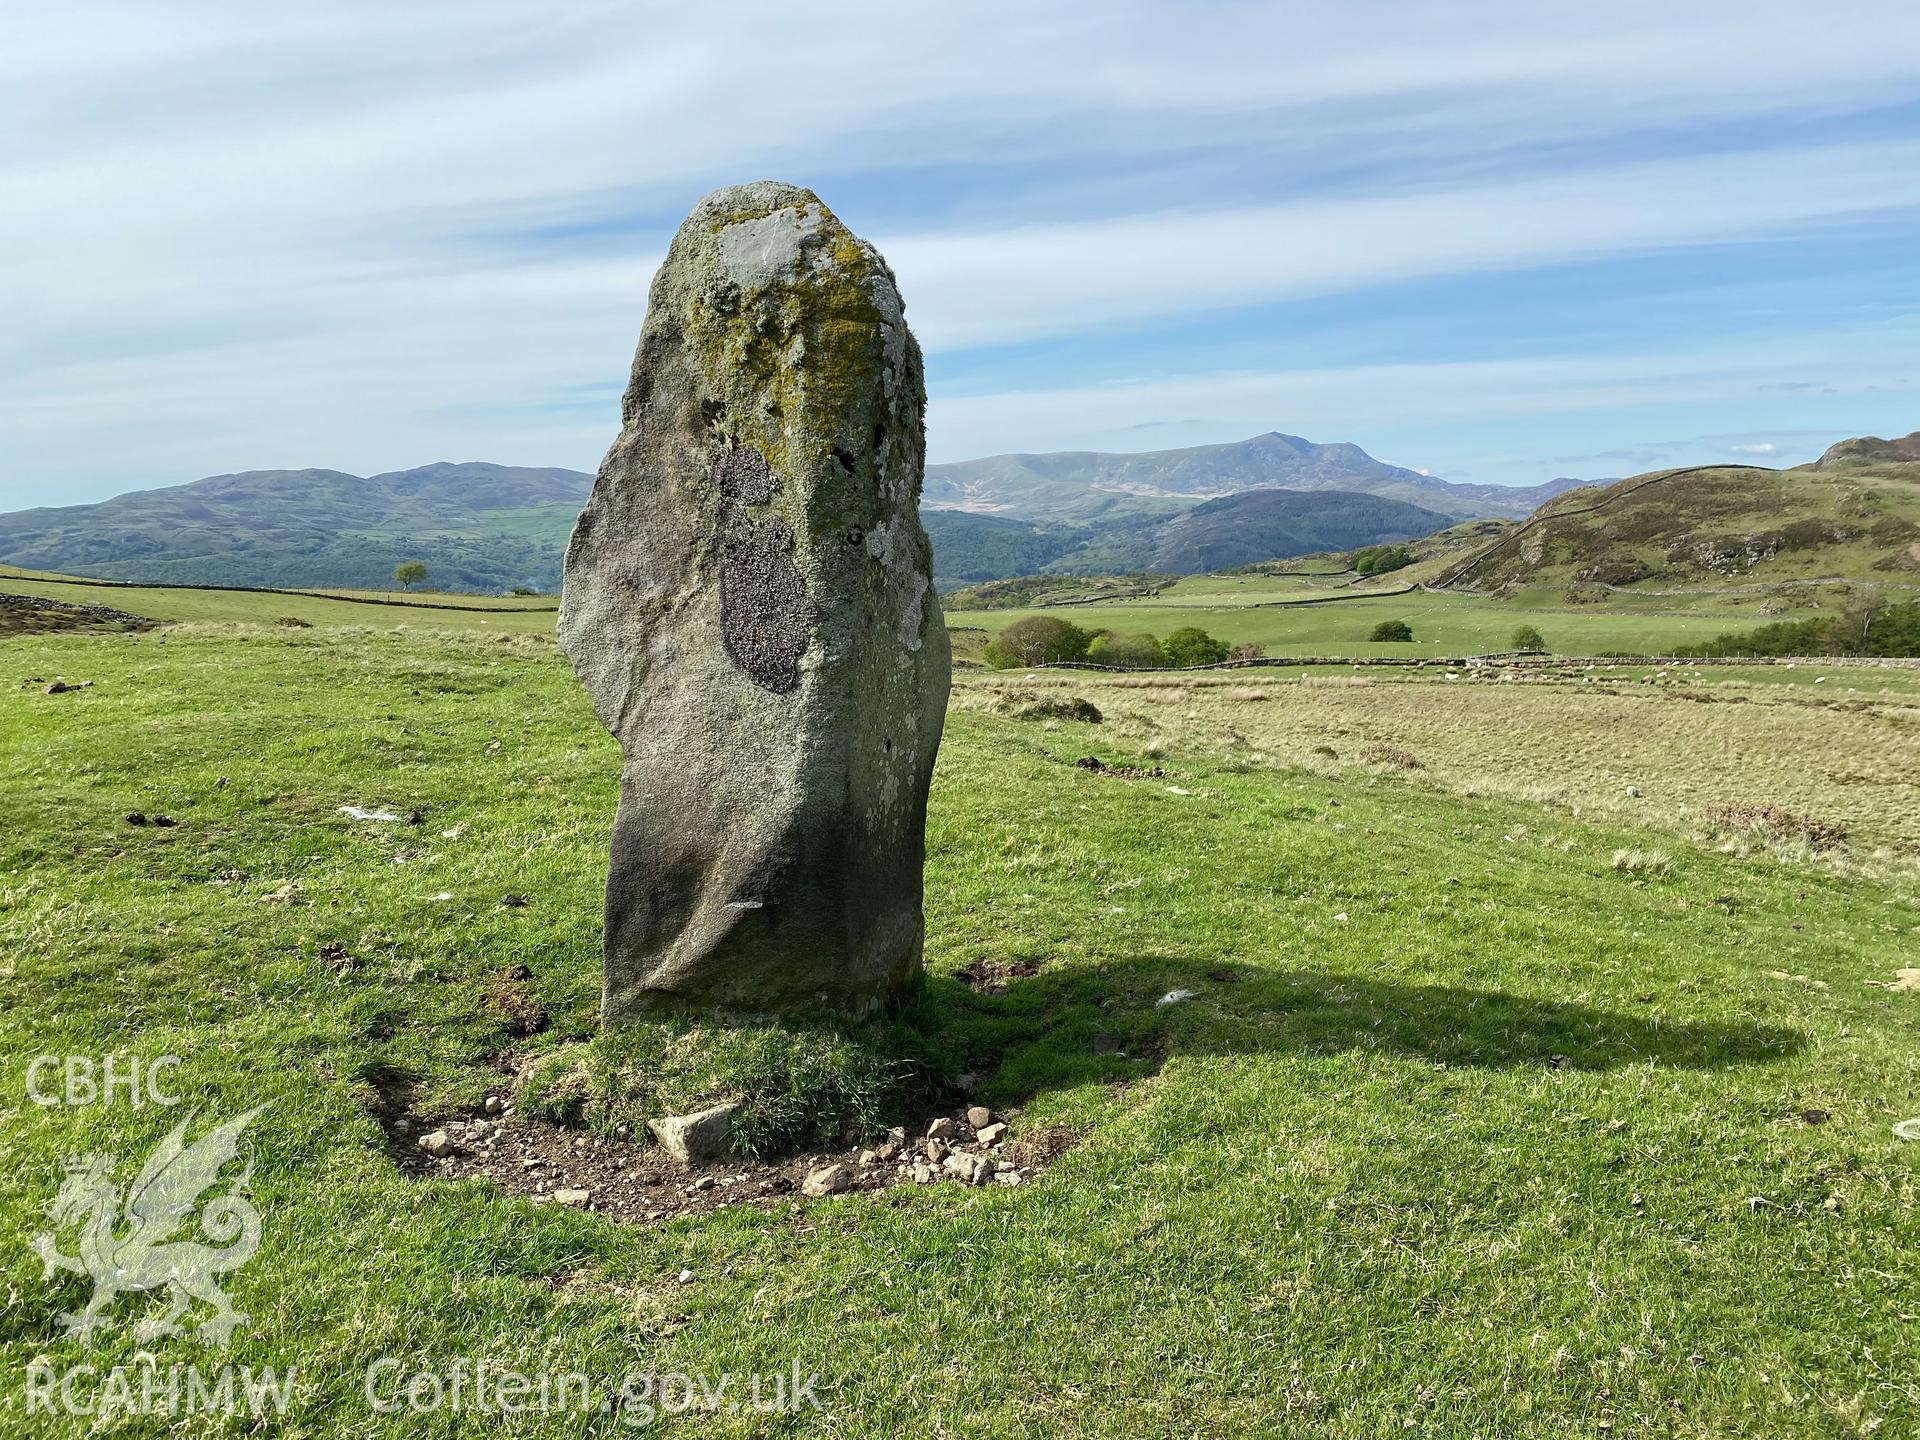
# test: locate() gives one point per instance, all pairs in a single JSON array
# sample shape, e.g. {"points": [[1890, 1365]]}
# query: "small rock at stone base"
{"points": [[437, 1144], [990, 1134], [974, 1169], [923, 1173], [494, 1105], [1007, 1177], [572, 1197], [696, 1138], [979, 1116], [942, 1129], [827, 1180], [934, 1150]]}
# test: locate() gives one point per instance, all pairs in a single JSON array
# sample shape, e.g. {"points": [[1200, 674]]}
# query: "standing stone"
{"points": [[750, 604]]}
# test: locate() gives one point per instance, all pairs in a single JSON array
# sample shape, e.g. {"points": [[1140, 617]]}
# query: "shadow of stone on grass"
{"points": [[1072, 1025]]}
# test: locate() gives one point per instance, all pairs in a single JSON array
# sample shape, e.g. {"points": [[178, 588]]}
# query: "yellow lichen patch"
{"points": [[796, 357], [745, 213]]}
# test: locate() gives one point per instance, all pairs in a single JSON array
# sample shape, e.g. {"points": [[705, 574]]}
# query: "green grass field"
{"points": [[382, 609], [1291, 617], [1472, 1127]]}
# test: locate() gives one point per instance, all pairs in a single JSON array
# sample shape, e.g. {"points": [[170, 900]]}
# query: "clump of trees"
{"points": [[1047, 639], [1528, 638], [1380, 559], [1392, 630], [1190, 645], [1874, 629], [1129, 652], [409, 573], [1037, 640]]}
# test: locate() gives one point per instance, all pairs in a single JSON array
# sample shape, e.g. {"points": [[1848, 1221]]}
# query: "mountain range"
{"points": [[487, 527], [1238, 529], [475, 526], [1079, 486]]}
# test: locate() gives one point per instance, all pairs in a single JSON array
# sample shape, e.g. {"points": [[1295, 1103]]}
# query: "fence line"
{"points": [[1519, 660], [274, 590]]}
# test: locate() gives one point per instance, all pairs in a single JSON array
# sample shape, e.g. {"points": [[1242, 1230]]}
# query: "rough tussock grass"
{"points": [[799, 1085]]}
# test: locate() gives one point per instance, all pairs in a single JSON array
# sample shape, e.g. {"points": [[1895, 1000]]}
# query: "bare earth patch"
{"points": [[638, 1183]]}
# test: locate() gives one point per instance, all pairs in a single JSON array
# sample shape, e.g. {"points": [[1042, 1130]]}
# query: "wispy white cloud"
{"points": [[1000, 285], [238, 234]]}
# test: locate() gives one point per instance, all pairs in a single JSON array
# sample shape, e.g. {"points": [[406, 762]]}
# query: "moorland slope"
{"points": [[1851, 519]]}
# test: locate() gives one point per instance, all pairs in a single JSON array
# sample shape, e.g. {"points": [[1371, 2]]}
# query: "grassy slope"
{"points": [[1354, 1201]]}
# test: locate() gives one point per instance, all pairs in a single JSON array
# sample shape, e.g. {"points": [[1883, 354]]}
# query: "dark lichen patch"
{"points": [[766, 615], [744, 477]]}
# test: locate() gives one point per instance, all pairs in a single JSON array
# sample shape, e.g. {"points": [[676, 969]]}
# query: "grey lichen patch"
{"points": [[758, 251]]}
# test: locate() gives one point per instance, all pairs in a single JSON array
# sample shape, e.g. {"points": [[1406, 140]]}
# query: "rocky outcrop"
{"points": [[1870, 450]]}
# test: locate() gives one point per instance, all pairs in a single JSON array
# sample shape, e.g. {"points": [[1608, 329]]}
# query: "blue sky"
{"points": [[1483, 239]]}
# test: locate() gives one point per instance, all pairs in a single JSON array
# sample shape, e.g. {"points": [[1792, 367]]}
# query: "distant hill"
{"points": [[1215, 535], [1851, 517], [1330, 571], [1275, 524], [971, 548], [1079, 486], [485, 527], [476, 526], [1869, 450]]}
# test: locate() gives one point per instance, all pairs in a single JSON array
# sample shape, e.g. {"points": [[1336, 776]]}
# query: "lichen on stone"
{"points": [[766, 615], [749, 602]]}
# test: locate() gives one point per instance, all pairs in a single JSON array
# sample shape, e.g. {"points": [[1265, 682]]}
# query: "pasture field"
{"points": [[382, 609], [1835, 744], [1490, 1113], [1291, 617]]}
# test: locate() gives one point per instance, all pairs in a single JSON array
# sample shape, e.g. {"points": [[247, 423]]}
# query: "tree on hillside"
{"points": [[409, 573], [1392, 630], [1190, 645], [1037, 640], [1528, 638], [1380, 559], [1129, 652]]}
